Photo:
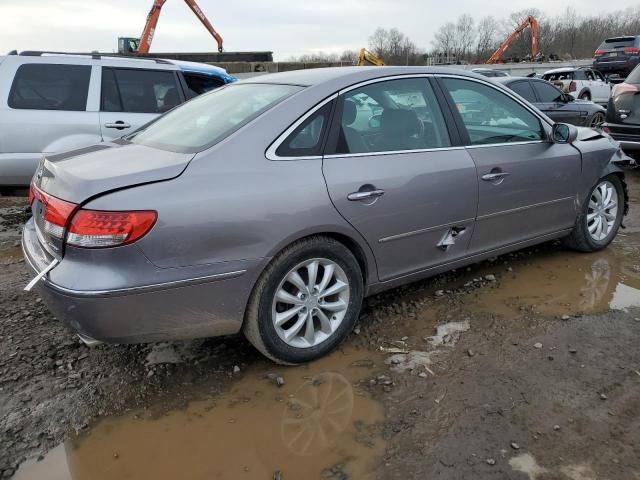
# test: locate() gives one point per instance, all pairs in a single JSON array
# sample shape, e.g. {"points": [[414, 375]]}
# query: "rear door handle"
{"points": [[492, 177], [120, 125], [355, 196]]}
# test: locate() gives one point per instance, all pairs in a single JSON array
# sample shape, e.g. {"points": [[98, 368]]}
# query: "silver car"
{"points": [[274, 205]]}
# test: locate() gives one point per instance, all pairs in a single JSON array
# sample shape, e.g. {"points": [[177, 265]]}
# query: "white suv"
{"points": [[580, 83], [56, 102]]}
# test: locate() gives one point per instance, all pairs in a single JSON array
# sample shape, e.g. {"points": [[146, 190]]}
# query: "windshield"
{"points": [[207, 119]]}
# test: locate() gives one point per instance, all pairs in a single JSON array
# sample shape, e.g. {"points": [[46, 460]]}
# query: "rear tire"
{"points": [[294, 319], [585, 96], [600, 218], [596, 119]]}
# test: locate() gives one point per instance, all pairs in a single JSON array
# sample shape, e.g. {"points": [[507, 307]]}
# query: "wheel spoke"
{"points": [[594, 226], [609, 216], [293, 331], [312, 270], [592, 204], [283, 317], [309, 333], [591, 216], [296, 280], [326, 277], [598, 194], [599, 229], [336, 306], [285, 297], [611, 204], [334, 289]]}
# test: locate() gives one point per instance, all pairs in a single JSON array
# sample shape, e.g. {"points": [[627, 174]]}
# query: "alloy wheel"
{"points": [[602, 211], [310, 303]]}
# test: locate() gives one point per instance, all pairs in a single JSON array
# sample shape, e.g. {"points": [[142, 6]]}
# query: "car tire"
{"points": [[585, 96], [583, 238], [596, 119], [266, 323]]}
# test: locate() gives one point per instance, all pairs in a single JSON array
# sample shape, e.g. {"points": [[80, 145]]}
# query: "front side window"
{"points": [[547, 92], [524, 89], [207, 119], [491, 116], [393, 115], [139, 91], [40, 86]]}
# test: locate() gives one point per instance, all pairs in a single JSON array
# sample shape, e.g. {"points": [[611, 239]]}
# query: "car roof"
{"points": [[197, 67], [562, 70], [350, 75]]}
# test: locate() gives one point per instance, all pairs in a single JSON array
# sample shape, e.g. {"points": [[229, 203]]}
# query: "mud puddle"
{"points": [[560, 282], [319, 423]]}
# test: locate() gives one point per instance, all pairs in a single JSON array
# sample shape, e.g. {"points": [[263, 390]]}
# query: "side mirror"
{"points": [[564, 133]]}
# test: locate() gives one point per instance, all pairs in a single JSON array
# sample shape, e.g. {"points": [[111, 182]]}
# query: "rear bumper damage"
{"points": [[184, 308]]}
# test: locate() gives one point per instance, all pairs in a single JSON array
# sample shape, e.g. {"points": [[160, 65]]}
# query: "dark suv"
{"points": [[623, 112], [618, 55]]}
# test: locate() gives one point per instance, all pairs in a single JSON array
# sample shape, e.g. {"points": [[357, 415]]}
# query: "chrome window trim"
{"points": [[271, 151]]}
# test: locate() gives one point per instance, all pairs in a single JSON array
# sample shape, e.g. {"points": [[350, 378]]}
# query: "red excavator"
{"points": [[529, 22], [133, 45]]}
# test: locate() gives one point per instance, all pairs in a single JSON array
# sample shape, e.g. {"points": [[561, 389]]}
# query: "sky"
{"points": [[286, 27]]}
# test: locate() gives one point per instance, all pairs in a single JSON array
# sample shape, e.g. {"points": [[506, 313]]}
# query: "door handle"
{"points": [[120, 125], [355, 196], [492, 177]]}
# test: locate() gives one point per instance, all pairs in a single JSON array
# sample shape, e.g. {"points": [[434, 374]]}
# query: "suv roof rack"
{"points": [[94, 55]]}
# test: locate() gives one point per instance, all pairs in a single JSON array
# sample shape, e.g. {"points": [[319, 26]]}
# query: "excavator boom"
{"points": [[529, 22], [152, 22], [365, 57]]}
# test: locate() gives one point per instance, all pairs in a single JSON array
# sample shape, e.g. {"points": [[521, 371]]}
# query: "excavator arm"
{"points": [[365, 57], [529, 22], [152, 22]]}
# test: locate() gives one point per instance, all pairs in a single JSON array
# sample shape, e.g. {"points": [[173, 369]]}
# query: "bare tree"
{"points": [[486, 38]]}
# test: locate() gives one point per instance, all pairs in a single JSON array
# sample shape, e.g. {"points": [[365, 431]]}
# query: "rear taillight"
{"points": [[606, 129], [96, 229], [56, 211], [91, 228], [598, 53], [621, 88], [573, 87], [632, 50]]}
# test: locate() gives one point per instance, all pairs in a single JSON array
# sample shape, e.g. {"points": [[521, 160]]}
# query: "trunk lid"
{"points": [[78, 175], [66, 180]]}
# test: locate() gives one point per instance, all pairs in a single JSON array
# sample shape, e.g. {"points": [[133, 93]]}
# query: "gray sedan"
{"points": [[273, 206]]}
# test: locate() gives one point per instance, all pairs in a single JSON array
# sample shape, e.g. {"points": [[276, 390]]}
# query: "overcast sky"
{"points": [[286, 27]]}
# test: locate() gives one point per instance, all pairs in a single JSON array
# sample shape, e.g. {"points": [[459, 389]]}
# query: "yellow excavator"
{"points": [[365, 57]]}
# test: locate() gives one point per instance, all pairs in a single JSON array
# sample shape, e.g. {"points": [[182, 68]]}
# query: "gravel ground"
{"points": [[515, 392]]}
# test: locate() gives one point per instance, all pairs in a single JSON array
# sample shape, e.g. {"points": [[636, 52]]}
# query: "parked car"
{"points": [[489, 72], [273, 205], [617, 55], [558, 106], [623, 113], [580, 83], [54, 102]]}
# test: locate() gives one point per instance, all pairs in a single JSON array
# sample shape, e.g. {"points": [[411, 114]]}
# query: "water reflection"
{"points": [[318, 419]]}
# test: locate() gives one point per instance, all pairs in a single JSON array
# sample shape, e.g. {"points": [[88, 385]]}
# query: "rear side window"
{"points": [[306, 140], [547, 93], [491, 116], [553, 77], [39, 86], [199, 84], [139, 91], [524, 90]]}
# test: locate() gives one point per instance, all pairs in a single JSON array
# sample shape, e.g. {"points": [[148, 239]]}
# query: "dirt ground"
{"points": [[523, 367]]}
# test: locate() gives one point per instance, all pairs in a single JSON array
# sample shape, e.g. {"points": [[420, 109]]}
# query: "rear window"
{"points": [[207, 119], [41, 86], [554, 77], [620, 42]]}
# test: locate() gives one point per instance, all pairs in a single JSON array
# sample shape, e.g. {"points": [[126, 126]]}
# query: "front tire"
{"points": [[601, 216], [305, 302], [596, 119]]}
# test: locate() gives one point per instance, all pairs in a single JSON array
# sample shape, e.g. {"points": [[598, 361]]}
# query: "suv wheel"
{"points": [[305, 302], [601, 216], [585, 96]]}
